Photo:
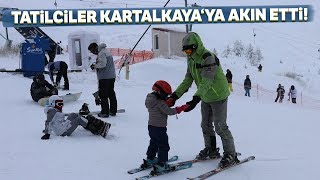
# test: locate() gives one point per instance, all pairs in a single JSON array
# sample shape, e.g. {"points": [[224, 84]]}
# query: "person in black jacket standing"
{"points": [[247, 85], [229, 78]]}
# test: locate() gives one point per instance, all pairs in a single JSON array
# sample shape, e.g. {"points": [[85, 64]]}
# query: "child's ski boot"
{"points": [[147, 163]]}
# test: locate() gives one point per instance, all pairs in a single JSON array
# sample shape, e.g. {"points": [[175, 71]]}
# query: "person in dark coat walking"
{"points": [[62, 71], [106, 74], [41, 88], [247, 86], [229, 79], [260, 68], [280, 93]]}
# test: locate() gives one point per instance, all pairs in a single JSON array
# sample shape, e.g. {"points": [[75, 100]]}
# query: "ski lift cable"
{"points": [[128, 58], [300, 41], [295, 37]]}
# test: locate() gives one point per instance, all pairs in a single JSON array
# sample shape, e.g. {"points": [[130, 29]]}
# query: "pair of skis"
{"points": [[185, 165], [219, 169]]}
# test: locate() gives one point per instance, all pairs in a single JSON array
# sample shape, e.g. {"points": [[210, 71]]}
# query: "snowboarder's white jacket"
{"points": [[158, 111], [293, 93], [55, 121]]}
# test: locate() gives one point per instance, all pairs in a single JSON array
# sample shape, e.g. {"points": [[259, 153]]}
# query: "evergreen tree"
{"points": [[238, 48]]}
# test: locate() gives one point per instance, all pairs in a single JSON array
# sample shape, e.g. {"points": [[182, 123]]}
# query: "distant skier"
{"points": [[229, 79], [157, 125], [293, 94], [41, 88], [280, 93], [61, 68], [260, 68], [247, 86], [57, 123]]}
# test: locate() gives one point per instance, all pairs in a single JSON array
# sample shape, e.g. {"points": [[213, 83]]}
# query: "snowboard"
{"points": [[66, 98]]}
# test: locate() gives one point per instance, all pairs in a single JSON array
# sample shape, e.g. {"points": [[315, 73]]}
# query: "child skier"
{"points": [[57, 123], [158, 115]]}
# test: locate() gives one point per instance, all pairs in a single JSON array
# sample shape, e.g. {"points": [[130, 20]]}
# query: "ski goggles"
{"points": [[59, 103], [188, 51]]}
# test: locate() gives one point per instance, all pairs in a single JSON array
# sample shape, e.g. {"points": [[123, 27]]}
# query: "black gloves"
{"points": [[92, 66], [172, 99], [193, 103], [97, 101], [45, 137]]}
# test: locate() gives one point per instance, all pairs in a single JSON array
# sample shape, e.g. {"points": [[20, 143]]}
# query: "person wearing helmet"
{"points": [[205, 70], [60, 126], [105, 69], [62, 71], [41, 88], [157, 125], [293, 94]]}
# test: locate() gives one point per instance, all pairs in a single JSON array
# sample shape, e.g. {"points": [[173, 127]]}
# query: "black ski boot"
{"points": [[103, 131], [208, 153], [161, 167], [97, 126], [228, 160], [84, 109]]}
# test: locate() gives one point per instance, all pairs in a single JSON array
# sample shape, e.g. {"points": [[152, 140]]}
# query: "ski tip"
{"points": [[175, 157], [252, 157]]}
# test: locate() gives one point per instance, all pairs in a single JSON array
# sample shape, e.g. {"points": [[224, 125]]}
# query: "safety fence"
{"points": [[257, 91], [264, 95], [136, 56]]}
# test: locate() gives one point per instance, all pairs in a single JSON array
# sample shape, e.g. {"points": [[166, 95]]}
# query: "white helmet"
{"points": [[53, 100]]}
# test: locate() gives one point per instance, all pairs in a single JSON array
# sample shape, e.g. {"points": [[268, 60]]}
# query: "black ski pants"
{"points": [[63, 72], [106, 94], [159, 143]]}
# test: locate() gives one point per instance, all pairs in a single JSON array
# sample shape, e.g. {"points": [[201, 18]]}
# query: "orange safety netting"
{"points": [[136, 56]]}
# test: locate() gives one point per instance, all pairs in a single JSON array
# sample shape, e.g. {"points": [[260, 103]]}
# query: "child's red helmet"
{"points": [[162, 87]]}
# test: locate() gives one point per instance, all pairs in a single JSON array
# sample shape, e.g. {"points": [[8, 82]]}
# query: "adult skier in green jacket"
{"points": [[205, 70]]}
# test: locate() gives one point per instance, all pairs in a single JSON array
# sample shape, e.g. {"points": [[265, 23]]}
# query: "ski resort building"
{"points": [[167, 42]]}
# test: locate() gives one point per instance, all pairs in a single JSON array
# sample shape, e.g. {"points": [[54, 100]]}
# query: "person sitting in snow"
{"points": [[158, 114], [41, 88], [57, 123], [293, 94]]}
